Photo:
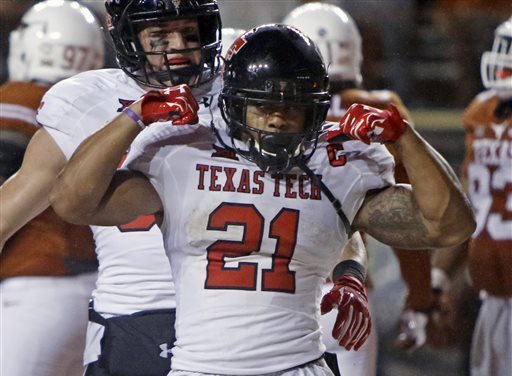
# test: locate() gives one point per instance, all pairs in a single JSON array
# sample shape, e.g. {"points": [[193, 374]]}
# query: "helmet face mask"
{"points": [[291, 77], [55, 40], [272, 151], [496, 65], [129, 17]]}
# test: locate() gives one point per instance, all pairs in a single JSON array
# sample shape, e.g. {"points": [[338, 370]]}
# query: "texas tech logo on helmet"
{"points": [[235, 47]]}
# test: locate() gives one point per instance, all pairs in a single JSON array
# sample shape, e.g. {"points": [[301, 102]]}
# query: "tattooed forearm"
{"points": [[393, 217]]}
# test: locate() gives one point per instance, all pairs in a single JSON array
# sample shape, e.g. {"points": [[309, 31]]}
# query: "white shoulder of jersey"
{"points": [[376, 157], [76, 107], [375, 149], [81, 92], [150, 151]]}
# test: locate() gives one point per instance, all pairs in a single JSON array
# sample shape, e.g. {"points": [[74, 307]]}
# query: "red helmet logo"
{"points": [[235, 47]]}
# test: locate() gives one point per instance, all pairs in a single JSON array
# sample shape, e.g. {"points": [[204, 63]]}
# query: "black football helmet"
{"points": [[125, 20], [274, 65]]}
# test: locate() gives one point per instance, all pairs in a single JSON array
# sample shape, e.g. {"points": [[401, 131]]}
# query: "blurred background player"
{"points": [[488, 179], [339, 41], [48, 267]]}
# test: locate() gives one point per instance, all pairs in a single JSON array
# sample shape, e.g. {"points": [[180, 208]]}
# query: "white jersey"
{"points": [[250, 250], [134, 272]]}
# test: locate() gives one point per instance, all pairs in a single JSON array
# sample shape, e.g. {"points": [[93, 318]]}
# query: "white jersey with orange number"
{"points": [[134, 272], [250, 250]]}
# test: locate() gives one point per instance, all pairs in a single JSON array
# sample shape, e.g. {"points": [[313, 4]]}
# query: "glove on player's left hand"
{"points": [[353, 323], [369, 124]]}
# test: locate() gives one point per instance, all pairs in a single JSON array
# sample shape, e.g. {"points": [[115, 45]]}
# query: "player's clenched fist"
{"points": [[370, 124], [353, 323], [175, 103]]}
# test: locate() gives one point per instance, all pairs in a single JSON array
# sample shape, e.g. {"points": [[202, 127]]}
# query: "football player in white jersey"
{"points": [[340, 43], [253, 218], [158, 44], [48, 268]]}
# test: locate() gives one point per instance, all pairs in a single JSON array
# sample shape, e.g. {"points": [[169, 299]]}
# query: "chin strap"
{"points": [[334, 201]]}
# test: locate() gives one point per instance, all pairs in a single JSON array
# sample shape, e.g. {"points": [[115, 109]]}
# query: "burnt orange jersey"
{"points": [[488, 173], [46, 246], [414, 265]]}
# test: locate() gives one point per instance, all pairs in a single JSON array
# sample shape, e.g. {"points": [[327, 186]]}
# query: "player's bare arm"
{"points": [[25, 194], [91, 190], [355, 250], [433, 211], [393, 217]]}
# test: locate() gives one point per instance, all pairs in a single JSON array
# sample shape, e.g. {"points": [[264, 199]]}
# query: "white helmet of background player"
{"points": [[496, 65], [55, 40], [337, 37], [229, 35]]}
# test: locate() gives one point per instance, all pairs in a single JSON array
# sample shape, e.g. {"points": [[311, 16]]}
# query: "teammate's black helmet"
{"points": [[126, 18], [274, 64]]}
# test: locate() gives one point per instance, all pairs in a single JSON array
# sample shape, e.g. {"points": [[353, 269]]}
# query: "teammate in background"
{"points": [[253, 219], [488, 179], [339, 41], [158, 44], [48, 267]]}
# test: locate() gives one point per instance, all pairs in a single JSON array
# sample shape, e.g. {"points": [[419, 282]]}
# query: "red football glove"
{"points": [[369, 124], [175, 103], [353, 323]]}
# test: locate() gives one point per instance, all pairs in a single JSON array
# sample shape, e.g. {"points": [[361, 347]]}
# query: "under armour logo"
{"points": [[165, 351]]}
